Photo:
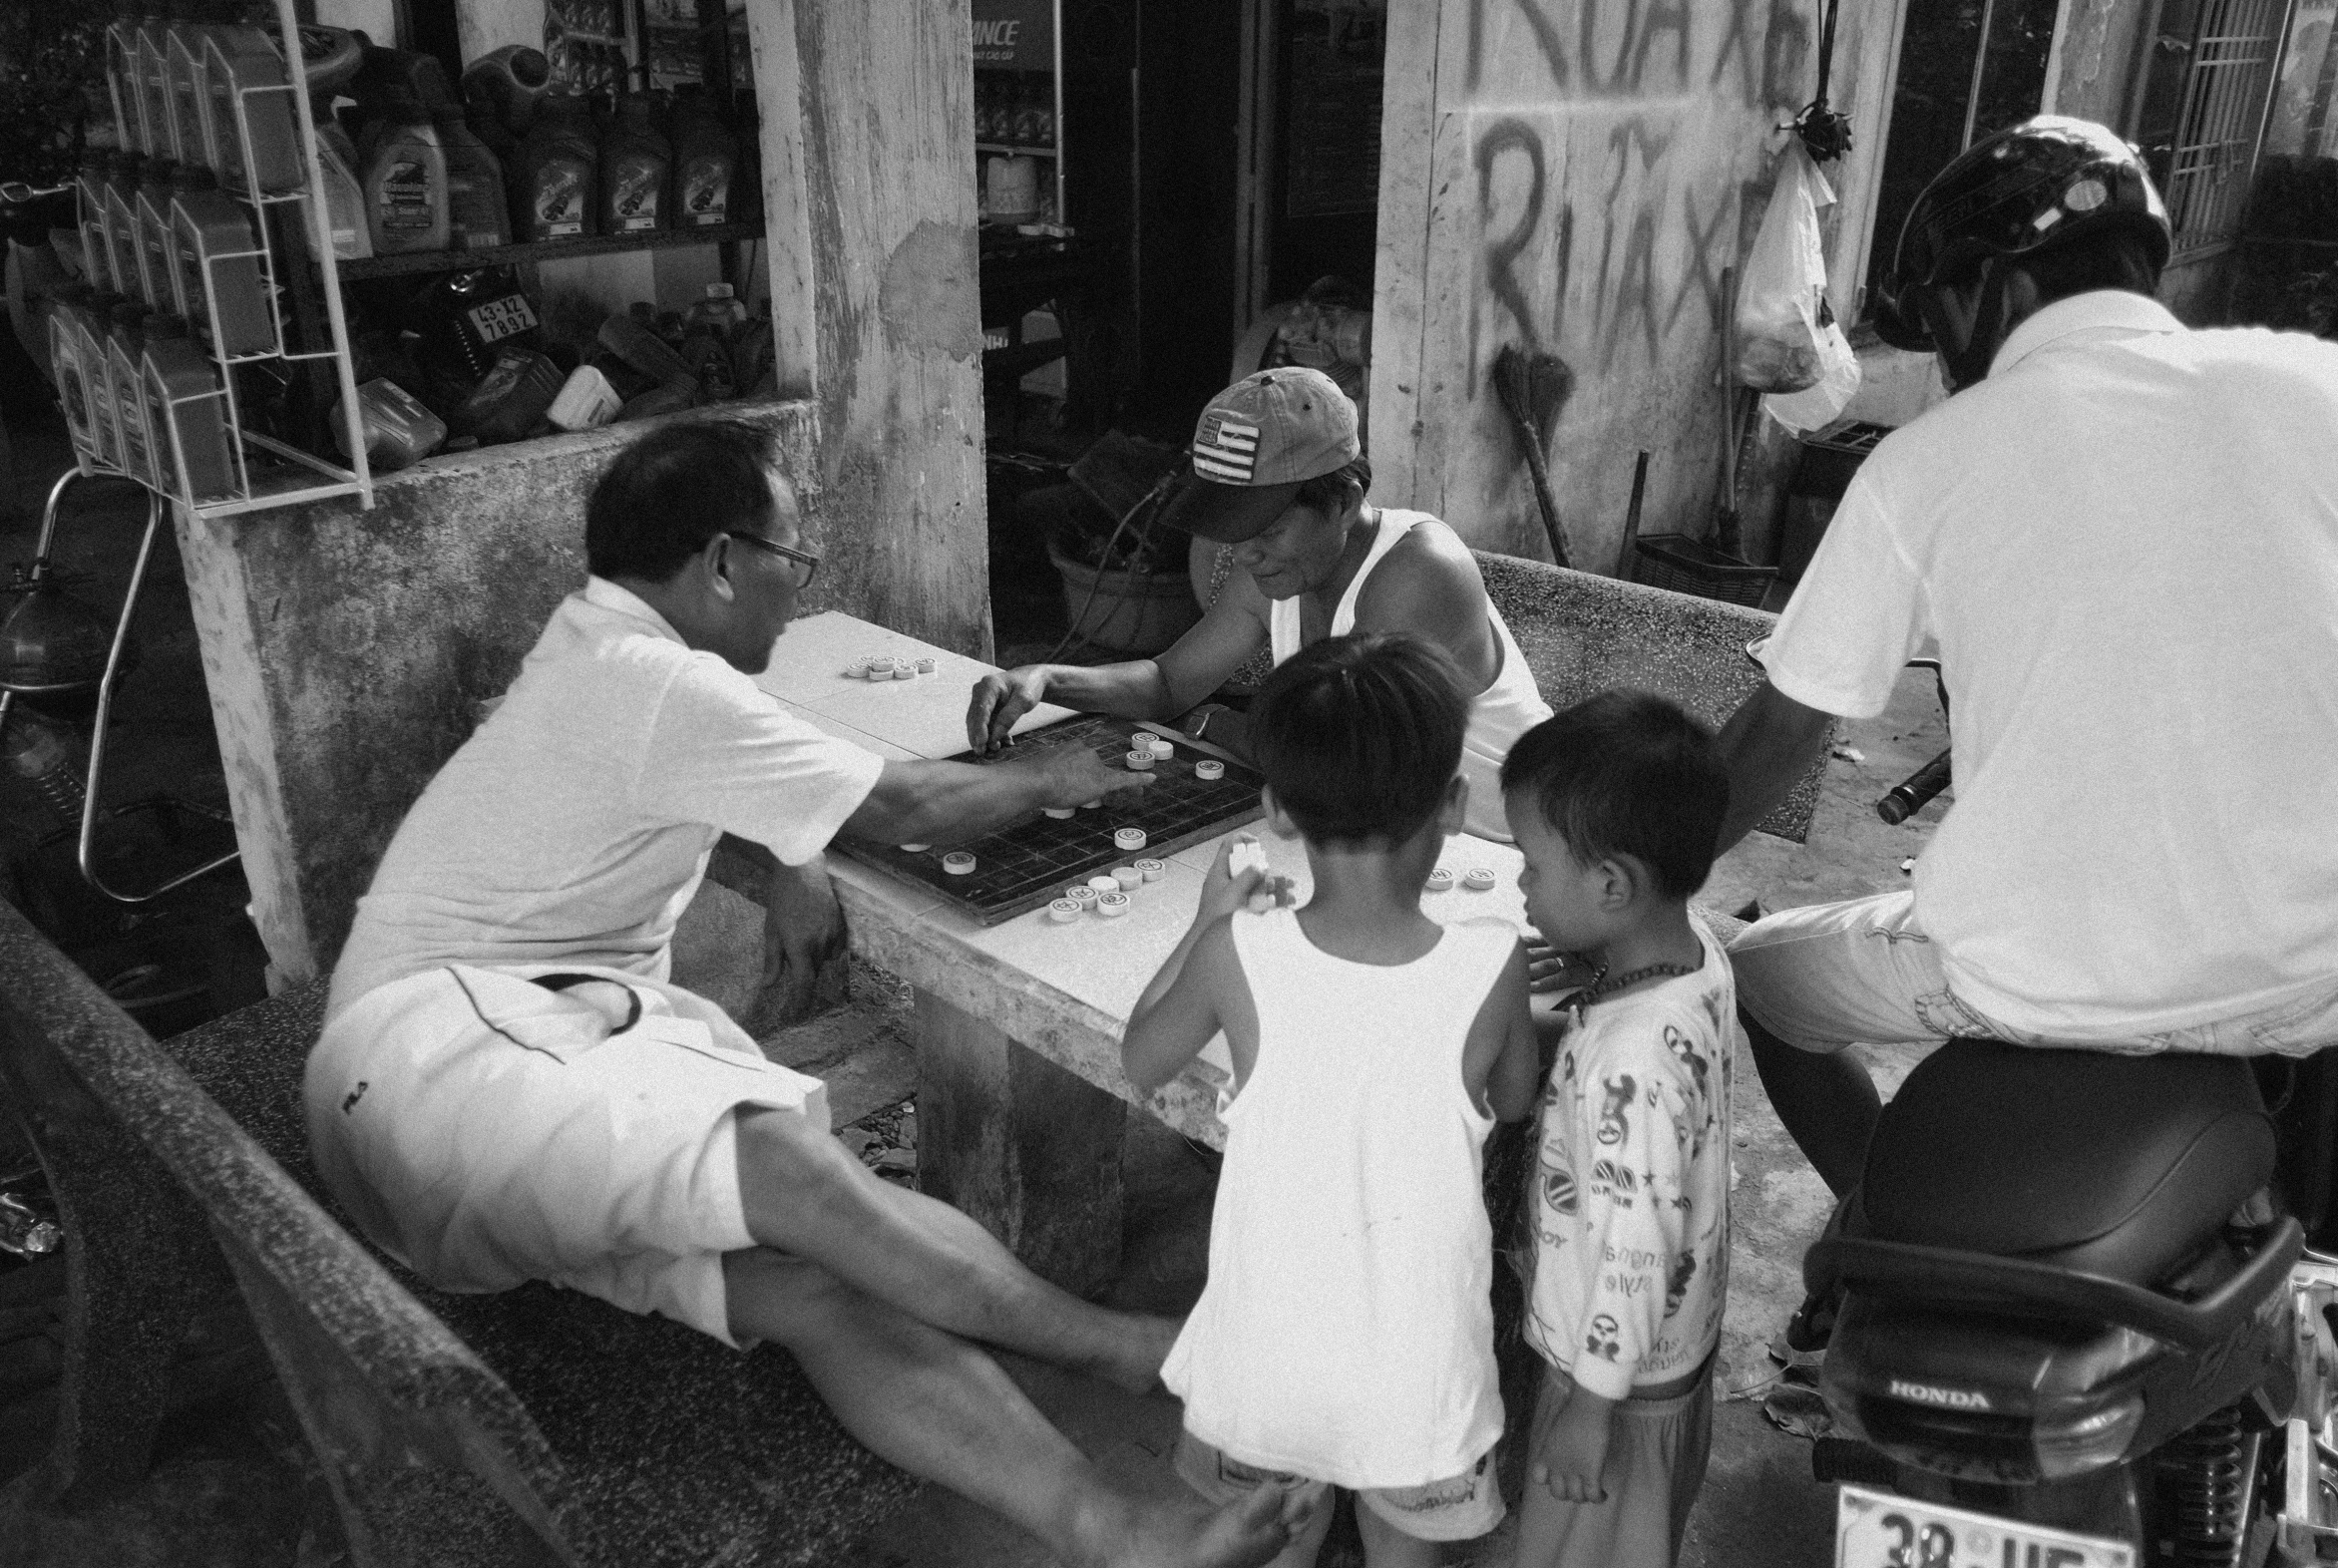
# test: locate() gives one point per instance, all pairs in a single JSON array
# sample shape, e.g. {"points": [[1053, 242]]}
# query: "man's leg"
{"points": [[940, 1409], [1826, 1101], [803, 1192]]}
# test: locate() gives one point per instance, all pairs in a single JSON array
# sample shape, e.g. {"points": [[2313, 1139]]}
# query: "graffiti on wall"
{"points": [[1605, 148]]}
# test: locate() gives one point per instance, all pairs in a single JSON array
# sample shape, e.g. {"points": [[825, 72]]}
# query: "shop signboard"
{"points": [[1014, 35]]}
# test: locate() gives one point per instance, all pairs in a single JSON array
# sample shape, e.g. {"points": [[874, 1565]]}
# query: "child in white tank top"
{"points": [[1345, 1335]]}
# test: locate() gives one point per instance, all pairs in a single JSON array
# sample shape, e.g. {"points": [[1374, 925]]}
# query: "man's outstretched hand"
{"points": [[1076, 775], [999, 700]]}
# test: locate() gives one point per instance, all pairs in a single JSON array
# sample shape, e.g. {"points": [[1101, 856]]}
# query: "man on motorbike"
{"points": [[2119, 536]]}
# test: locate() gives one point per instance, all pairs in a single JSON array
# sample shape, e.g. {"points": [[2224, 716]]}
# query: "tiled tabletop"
{"points": [[1069, 988]]}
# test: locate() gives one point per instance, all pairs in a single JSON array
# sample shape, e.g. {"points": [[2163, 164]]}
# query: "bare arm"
{"points": [[1768, 744], [1157, 688], [1500, 1060], [1428, 586], [919, 802], [1200, 987]]}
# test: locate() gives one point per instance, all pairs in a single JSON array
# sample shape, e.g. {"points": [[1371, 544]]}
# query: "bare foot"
{"points": [[1194, 1535], [1135, 1365]]}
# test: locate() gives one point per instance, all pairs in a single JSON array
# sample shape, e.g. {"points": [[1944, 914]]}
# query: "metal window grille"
{"points": [[2224, 101]]}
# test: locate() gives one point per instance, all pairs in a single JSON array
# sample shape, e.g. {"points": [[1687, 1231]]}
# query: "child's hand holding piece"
{"points": [[1239, 879], [1568, 1450]]}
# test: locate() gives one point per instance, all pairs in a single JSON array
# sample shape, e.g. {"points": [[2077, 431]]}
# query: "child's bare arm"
{"points": [[1568, 1449], [1179, 1010], [1499, 1061]]}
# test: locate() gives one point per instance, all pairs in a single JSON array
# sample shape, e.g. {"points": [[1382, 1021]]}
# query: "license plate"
{"points": [[1878, 1530], [501, 318]]}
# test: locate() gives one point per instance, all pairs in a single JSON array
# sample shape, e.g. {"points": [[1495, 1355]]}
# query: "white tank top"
{"points": [[1346, 1333], [1498, 715]]}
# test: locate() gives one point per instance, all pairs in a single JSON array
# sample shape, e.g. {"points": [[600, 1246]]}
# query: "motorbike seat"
{"points": [[2123, 1166]]}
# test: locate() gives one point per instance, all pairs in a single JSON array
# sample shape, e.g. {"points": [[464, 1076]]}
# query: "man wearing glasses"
{"points": [[509, 1088]]}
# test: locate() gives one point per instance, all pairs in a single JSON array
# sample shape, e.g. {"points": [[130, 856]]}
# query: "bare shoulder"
{"points": [[1429, 568]]}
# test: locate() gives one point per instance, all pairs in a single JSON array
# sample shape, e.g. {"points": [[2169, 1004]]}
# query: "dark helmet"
{"points": [[2042, 183]]}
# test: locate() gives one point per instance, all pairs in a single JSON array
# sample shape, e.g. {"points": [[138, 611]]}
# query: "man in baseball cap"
{"points": [[1276, 473]]}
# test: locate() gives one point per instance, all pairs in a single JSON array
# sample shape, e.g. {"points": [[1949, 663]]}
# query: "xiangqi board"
{"points": [[1032, 860]]}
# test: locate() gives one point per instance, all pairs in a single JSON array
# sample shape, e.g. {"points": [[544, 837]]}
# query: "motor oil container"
{"points": [[222, 289], [478, 216], [720, 309], [242, 65], [669, 397], [67, 365], [105, 428], [636, 344], [586, 400], [97, 244], [405, 182], [502, 85], [558, 174], [153, 233], [122, 86], [186, 416], [154, 85], [705, 161], [399, 431], [513, 399], [464, 318], [336, 169], [635, 162], [182, 64], [122, 224], [126, 341], [708, 357]]}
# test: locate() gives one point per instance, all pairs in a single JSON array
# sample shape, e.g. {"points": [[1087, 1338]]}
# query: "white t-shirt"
{"points": [[2123, 545], [575, 824]]}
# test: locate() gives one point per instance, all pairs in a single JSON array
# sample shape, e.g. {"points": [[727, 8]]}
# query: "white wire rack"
{"points": [[120, 409]]}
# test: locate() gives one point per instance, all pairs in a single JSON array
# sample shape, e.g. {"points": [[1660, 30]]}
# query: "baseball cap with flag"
{"points": [[1255, 445]]}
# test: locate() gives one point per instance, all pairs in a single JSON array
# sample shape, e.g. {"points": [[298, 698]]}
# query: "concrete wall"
{"points": [[346, 650], [1572, 175]]}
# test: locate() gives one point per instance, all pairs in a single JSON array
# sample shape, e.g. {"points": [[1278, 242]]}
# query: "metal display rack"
{"points": [[111, 431]]}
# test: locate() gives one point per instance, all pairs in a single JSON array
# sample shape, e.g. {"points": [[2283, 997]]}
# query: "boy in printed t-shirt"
{"points": [[1615, 804], [1345, 1335]]}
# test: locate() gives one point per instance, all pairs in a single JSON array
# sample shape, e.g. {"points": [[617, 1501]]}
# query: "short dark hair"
{"points": [[664, 497], [2122, 257], [1627, 773], [1332, 492], [1359, 736]]}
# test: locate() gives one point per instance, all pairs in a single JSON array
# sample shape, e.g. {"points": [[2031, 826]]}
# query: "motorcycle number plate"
{"points": [[1875, 1529]]}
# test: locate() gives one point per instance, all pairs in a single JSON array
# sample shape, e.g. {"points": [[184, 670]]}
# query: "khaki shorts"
{"points": [[1863, 972], [487, 1131], [1656, 1450], [1461, 1510]]}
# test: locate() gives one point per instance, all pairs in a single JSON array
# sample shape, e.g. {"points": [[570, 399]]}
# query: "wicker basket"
{"points": [[1689, 565]]}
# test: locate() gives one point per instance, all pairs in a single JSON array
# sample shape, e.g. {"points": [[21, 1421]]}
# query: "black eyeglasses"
{"points": [[807, 565]]}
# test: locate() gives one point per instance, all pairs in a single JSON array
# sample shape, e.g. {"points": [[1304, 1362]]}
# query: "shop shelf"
{"points": [[542, 250]]}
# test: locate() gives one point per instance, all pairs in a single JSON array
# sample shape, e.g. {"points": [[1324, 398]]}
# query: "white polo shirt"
{"points": [[2123, 545], [575, 824]]}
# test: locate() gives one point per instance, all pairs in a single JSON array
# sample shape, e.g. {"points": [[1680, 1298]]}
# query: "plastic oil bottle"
{"points": [[153, 233], [124, 344], [478, 216], [635, 160], [98, 377], [706, 159], [122, 84], [242, 65], [68, 365], [89, 200], [554, 185], [122, 224], [184, 68], [183, 402], [405, 182], [216, 259], [154, 85]]}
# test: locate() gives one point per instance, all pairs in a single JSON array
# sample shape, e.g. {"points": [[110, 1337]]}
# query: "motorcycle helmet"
{"points": [[2045, 181]]}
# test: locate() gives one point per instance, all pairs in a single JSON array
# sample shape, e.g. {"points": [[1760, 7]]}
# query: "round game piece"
{"points": [[1105, 884], [1478, 878], [1141, 761], [1129, 878], [879, 668], [1109, 904], [957, 863], [1130, 838], [924, 667], [904, 671], [1089, 805], [1209, 770], [915, 849], [1057, 812], [1151, 869], [1440, 880], [1063, 911], [1162, 747], [1081, 893]]}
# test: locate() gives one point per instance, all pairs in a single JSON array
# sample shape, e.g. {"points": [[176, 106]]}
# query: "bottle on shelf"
{"points": [[635, 161], [153, 216], [501, 87], [67, 365], [336, 168], [153, 84], [399, 431], [558, 174], [405, 181], [98, 378], [184, 416], [122, 224], [586, 401], [705, 162], [124, 344], [513, 398], [43, 756], [478, 216], [720, 309], [222, 291], [243, 69], [122, 84], [707, 354], [189, 88], [96, 244]]}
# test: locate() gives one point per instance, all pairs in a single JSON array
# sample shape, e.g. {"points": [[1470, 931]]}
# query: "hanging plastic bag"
{"points": [[1787, 337]]}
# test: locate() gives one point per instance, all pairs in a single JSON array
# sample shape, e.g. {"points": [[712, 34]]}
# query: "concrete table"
{"points": [[1021, 1100]]}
